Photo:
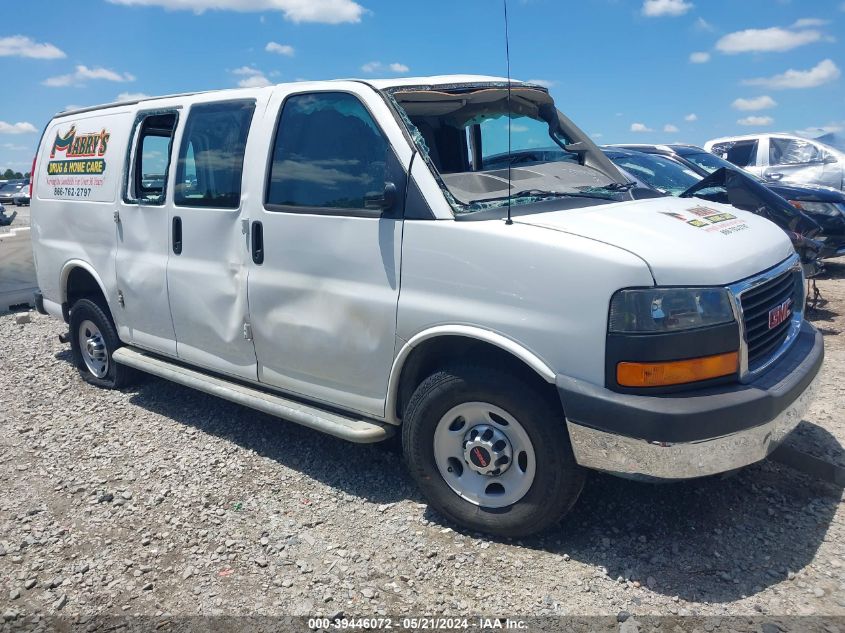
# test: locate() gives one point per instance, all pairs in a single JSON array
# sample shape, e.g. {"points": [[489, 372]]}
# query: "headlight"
{"points": [[824, 208], [668, 309]]}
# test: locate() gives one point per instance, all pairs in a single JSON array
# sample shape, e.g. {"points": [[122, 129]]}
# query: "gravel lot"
{"points": [[162, 500]]}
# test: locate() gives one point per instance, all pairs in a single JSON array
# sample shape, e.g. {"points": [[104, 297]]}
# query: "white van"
{"points": [[367, 258]]}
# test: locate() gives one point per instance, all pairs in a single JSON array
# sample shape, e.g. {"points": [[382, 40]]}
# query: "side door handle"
{"points": [[257, 243], [177, 235], [773, 175]]}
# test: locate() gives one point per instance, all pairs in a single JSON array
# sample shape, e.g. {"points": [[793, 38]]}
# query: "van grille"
{"points": [[757, 303]]}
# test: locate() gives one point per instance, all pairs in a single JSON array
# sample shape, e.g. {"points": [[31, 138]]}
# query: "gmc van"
{"points": [[408, 256]]}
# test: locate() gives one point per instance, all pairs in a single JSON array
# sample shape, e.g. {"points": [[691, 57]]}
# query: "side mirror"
{"points": [[383, 201], [830, 159]]}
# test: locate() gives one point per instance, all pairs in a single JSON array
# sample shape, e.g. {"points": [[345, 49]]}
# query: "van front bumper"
{"points": [[695, 433]]}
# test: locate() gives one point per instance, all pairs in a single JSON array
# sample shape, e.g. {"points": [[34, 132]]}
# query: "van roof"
{"points": [[378, 84]]}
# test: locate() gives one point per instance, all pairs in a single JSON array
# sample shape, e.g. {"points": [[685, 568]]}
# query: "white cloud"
{"points": [[657, 8], [699, 57], [756, 120], [252, 77], [246, 70], [823, 72], [281, 49], [374, 67], [546, 83], [692, 116], [324, 11], [256, 81], [670, 128], [703, 25], [804, 23], [640, 127], [813, 132], [770, 40], [15, 148], [82, 74], [132, 96], [22, 46], [17, 128], [757, 103]]}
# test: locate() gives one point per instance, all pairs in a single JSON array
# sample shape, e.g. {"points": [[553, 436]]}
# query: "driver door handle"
{"points": [[773, 175], [257, 243], [177, 235]]}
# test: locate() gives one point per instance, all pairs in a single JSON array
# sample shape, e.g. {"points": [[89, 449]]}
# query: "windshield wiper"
{"points": [[533, 193], [614, 186]]}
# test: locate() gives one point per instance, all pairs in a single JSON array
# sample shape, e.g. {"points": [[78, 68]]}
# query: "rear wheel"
{"points": [[490, 451], [93, 340]]}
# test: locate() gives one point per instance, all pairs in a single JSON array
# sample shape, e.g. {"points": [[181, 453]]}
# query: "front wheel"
{"points": [[490, 451], [93, 340]]}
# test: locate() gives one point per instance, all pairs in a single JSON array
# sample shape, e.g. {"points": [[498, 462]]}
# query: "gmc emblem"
{"points": [[779, 314]]}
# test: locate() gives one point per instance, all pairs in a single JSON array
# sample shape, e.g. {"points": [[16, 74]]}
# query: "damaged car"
{"points": [[825, 205], [405, 256], [783, 158]]}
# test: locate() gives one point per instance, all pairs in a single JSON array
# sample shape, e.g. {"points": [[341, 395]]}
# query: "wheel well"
{"points": [[434, 354], [81, 284]]}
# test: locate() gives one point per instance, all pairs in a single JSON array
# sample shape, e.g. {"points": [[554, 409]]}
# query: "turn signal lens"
{"points": [[676, 372]]}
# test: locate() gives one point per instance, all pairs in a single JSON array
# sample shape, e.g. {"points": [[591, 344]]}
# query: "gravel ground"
{"points": [[162, 500]]}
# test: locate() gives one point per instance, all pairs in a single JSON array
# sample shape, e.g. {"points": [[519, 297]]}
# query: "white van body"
{"points": [[348, 318], [783, 158]]}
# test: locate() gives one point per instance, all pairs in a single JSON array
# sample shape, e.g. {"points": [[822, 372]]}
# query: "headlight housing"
{"points": [[824, 208], [655, 310]]}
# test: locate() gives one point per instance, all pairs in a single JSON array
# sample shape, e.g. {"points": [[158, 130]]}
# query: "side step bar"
{"points": [[347, 428]]}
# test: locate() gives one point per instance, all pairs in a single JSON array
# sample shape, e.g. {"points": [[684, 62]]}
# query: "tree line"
{"points": [[12, 175]]}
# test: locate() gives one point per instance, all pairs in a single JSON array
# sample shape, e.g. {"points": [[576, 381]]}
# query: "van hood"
{"points": [[684, 241]]}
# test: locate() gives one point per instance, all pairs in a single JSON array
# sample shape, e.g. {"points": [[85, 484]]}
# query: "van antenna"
{"points": [[508, 58]]}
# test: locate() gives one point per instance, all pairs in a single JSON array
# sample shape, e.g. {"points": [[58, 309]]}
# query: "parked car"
{"points": [[727, 185], [8, 190], [825, 205], [544, 318], [21, 198], [783, 157]]}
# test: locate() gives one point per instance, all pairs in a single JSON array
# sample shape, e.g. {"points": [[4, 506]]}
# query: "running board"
{"points": [[347, 428]]}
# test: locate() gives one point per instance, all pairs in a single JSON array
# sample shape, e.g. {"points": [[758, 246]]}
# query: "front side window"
{"points": [[793, 151], [328, 153], [211, 158], [148, 181], [740, 153]]}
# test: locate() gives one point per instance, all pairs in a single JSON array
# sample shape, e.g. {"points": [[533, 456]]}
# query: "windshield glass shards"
{"points": [[463, 135]]}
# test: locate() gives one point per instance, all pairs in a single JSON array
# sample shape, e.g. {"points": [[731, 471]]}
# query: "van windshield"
{"points": [[463, 134]]}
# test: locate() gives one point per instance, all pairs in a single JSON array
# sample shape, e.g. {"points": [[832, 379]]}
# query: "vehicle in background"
{"points": [[825, 205], [10, 189], [728, 186], [783, 157], [21, 198]]}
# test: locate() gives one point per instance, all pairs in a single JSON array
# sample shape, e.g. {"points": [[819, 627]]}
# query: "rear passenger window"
{"points": [[148, 182], [211, 159], [740, 153], [792, 151], [328, 153]]}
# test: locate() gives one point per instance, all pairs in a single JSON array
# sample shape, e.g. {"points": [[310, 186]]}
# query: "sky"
{"points": [[624, 70]]}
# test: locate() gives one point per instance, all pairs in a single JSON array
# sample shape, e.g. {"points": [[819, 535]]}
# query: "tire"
{"points": [[556, 481], [89, 321]]}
